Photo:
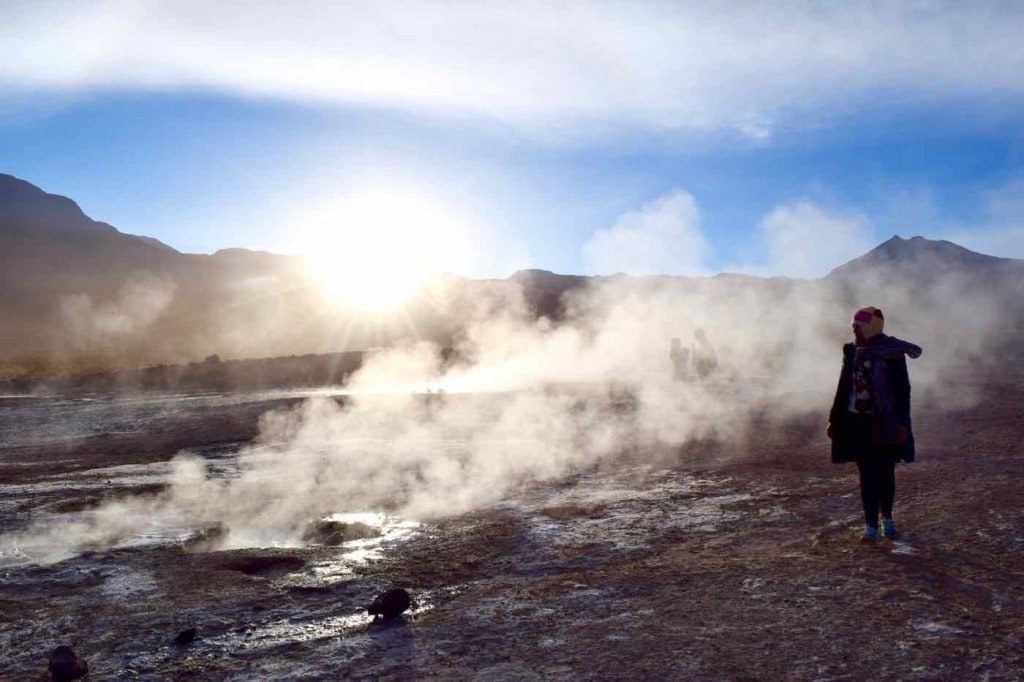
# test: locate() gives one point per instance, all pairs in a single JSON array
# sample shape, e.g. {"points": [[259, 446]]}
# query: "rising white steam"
{"points": [[662, 237], [528, 400], [805, 240], [140, 301]]}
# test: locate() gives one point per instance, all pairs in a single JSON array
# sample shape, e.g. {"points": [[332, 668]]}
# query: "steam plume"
{"points": [[533, 400]]}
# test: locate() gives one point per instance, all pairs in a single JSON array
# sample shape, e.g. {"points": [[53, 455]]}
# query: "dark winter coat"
{"points": [[891, 390]]}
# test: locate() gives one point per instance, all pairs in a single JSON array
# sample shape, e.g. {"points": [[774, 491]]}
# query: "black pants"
{"points": [[877, 487], [877, 465]]}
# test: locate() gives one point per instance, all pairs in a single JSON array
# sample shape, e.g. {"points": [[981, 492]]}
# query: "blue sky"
{"points": [[640, 137]]}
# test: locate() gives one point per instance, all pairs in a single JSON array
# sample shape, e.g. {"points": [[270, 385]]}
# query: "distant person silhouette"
{"points": [[680, 358], [870, 418], [705, 359]]}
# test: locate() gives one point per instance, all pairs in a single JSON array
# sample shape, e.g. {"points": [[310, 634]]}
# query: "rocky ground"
{"points": [[733, 562]]}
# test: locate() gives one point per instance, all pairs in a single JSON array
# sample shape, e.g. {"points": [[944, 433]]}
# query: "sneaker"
{"points": [[870, 534], [889, 529]]}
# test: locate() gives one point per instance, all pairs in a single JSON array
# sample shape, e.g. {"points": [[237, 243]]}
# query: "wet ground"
{"points": [[731, 560]]}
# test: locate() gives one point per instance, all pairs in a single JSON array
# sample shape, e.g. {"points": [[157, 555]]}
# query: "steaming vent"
{"points": [[363, 536]]}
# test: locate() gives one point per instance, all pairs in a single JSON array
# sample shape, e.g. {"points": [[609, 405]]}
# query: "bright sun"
{"points": [[374, 249]]}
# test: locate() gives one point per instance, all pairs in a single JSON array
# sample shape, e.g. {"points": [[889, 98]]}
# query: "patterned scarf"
{"points": [[872, 360]]}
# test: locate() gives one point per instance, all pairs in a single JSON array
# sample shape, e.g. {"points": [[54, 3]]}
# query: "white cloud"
{"points": [[805, 240], [661, 65], [663, 237], [800, 239]]}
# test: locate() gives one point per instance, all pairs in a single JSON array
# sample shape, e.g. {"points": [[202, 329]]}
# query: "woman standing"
{"points": [[870, 418]]}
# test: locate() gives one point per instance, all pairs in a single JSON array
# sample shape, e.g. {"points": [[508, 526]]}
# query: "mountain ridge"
{"points": [[23, 203], [73, 285], [26, 207], [919, 250]]}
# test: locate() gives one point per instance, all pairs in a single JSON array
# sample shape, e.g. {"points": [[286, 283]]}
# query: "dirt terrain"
{"points": [[714, 561]]}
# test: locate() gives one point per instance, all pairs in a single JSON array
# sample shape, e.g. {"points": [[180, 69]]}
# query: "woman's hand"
{"points": [[828, 430]]}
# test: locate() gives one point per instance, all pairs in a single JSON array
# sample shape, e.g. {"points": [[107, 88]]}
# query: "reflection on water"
{"points": [[47, 420], [393, 530], [33, 420], [49, 543], [60, 531], [295, 628]]}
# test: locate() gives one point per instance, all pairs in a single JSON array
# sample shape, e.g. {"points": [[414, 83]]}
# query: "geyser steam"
{"points": [[532, 400]]}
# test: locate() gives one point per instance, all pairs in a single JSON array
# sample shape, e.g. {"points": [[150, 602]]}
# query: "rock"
{"points": [[390, 604], [262, 565], [185, 637], [208, 538], [66, 665], [327, 532]]}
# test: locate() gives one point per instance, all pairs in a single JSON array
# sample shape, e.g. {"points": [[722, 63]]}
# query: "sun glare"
{"points": [[375, 249]]}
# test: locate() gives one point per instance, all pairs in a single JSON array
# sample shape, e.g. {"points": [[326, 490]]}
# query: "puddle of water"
{"points": [[42, 420], [291, 630], [288, 630], [393, 530], [108, 478], [49, 542]]}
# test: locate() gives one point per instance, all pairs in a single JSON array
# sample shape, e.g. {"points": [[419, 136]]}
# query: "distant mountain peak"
{"points": [[919, 244], [916, 253]]}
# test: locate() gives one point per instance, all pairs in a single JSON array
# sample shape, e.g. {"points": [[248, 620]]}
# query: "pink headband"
{"points": [[862, 316]]}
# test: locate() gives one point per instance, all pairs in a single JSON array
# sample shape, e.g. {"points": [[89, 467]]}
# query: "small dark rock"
{"points": [[66, 665], [332, 533], [390, 604], [185, 637]]}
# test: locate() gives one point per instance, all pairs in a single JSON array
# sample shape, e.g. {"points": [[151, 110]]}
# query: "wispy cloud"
{"points": [[729, 65], [800, 239], [663, 237]]}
